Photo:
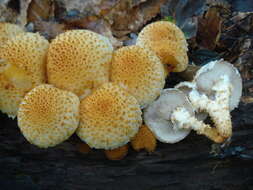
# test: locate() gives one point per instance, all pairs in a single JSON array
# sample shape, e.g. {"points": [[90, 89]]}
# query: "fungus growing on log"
{"points": [[219, 88], [171, 117], [139, 71], [144, 139], [78, 61], [109, 117], [118, 153], [186, 88], [22, 67], [168, 42], [48, 116]]}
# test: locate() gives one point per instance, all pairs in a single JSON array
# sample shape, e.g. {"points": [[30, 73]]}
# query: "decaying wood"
{"points": [[194, 163], [191, 164]]}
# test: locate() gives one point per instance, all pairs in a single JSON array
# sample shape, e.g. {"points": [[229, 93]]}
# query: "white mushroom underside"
{"points": [[182, 119], [218, 108], [210, 74], [186, 88], [157, 116]]}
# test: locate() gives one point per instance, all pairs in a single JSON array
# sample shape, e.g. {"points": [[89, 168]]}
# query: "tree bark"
{"points": [[186, 165]]}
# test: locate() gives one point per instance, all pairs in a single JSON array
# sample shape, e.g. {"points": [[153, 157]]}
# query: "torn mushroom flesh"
{"points": [[186, 88], [219, 88], [171, 118]]}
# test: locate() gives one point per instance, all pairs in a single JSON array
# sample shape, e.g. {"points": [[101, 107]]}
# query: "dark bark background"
{"points": [[194, 163], [214, 29]]}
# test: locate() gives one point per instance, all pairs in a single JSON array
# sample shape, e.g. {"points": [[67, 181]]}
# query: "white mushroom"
{"points": [[186, 88], [171, 118], [219, 88]]}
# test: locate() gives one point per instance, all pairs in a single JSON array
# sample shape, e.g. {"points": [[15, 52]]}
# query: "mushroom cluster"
{"points": [[79, 84], [22, 65], [215, 91]]}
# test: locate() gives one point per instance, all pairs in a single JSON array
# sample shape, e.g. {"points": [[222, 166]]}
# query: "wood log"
{"points": [[194, 163]]}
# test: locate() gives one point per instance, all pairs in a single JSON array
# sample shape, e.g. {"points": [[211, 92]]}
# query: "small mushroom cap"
{"points": [[162, 31], [78, 61], [208, 75], [157, 116], [168, 42], [139, 71], [109, 117], [118, 153], [8, 30], [144, 139], [22, 67], [186, 88], [48, 116]]}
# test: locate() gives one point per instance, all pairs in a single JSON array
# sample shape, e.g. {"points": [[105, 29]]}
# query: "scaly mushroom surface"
{"points": [[139, 71], [48, 116], [22, 67], [78, 61], [168, 42], [109, 117]]}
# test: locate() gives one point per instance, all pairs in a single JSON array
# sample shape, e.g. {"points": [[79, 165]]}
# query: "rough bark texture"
{"points": [[194, 163], [186, 165]]}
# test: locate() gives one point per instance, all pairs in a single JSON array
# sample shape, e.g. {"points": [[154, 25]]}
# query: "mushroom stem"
{"points": [[182, 119], [218, 108]]}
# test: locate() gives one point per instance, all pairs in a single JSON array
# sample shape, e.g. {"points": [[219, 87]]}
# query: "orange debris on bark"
{"points": [[144, 140], [118, 153]]}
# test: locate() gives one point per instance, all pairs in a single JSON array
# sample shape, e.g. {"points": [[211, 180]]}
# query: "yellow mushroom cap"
{"points": [[47, 115], [139, 71], [22, 67], [167, 41], [78, 61], [109, 117], [8, 30], [10, 97]]}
